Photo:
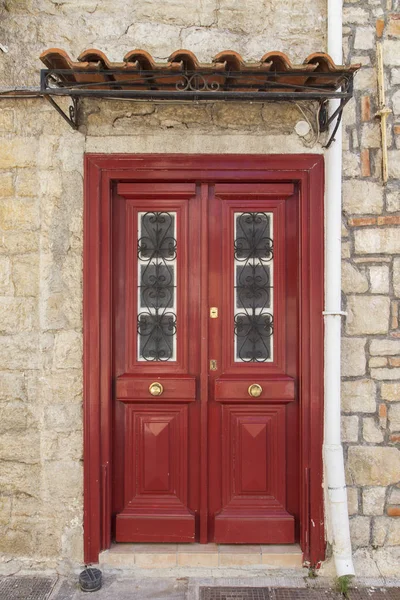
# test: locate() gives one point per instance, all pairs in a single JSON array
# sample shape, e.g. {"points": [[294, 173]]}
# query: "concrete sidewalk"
{"points": [[119, 587]]}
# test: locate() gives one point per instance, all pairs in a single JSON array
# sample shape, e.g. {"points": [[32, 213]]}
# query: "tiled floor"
{"points": [[201, 555]]}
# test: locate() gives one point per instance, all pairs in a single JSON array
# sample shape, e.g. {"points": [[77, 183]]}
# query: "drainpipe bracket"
{"points": [[334, 313]]}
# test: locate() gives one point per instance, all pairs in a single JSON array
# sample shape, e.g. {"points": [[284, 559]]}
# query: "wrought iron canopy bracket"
{"points": [[72, 116], [197, 86]]}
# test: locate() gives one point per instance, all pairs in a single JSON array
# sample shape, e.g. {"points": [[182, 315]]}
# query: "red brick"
{"points": [[392, 220], [396, 129], [365, 108], [380, 26], [395, 334], [365, 163], [362, 221], [394, 361], [395, 438], [393, 511], [382, 410]]}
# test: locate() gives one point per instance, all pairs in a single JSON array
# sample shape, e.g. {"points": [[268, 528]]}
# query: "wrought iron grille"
{"points": [[253, 318], [157, 255]]}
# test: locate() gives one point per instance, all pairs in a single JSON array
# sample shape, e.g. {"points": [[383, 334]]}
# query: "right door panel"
{"points": [[253, 409]]}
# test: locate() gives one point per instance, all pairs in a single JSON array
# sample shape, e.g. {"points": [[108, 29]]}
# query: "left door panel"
{"points": [[156, 303]]}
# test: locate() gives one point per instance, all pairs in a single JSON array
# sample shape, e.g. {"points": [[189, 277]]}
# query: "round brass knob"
{"points": [[156, 388], [255, 390]]}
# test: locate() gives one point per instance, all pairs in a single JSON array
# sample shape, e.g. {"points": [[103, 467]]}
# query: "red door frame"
{"points": [[101, 171]]}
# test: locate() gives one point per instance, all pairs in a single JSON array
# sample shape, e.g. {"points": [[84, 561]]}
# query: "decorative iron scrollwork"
{"points": [[253, 319], [157, 251], [196, 83]]}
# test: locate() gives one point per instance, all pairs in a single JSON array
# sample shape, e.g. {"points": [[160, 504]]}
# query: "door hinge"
{"points": [[213, 365], [214, 312]]}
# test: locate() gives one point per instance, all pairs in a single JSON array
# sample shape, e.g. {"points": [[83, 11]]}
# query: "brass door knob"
{"points": [[255, 390], [156, 388]]}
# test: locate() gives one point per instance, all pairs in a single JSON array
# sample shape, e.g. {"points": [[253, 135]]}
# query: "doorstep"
{"points": [[161, 556]]}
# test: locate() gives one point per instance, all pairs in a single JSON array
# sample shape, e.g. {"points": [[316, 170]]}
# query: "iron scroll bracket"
{"points": [[73, 111]]}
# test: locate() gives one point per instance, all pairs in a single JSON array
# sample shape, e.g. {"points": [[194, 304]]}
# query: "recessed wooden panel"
{"points": [[228, 390], [156, 453], [156, 475], [253, 455], [137, 388]]}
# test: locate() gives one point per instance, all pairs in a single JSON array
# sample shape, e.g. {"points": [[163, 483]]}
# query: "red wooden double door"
{"points": [[205, 296]]}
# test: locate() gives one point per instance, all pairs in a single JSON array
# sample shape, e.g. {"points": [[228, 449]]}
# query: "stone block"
{"points": [[353, 358], [367, 314], [364, 38], [379, 278], [396, 276], [349, 429], [12, 386], [14, 417], [19, 540], [6, 185], [19, 215], [27, 183], [371, 135], [384, 347], [378, 361], [394, 496], [393, 164], [18, 314], [6, 120], [18, 152], [373, 500], [394, 25], [61, 387], [19, 242], [355, 15], [358, 396], [359, 531], [354, 280], [20, 447], [62, 483], [61, 417], [390, 392], [6, 285], [25, 275], [61, 291], [237, 116], [387, 561], [19, 351], [362, 197], [62, 446], [20, 478], [372, 433], [379, 531], [393, 533], [385, 374], [5, 510], [394, 417], [369, 465], [352, 500], [391, 53], [393, 201], [68, 350], [396, 102]]}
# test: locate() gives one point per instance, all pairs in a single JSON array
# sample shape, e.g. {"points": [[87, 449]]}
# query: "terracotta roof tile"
{"points": [[228, 69]]}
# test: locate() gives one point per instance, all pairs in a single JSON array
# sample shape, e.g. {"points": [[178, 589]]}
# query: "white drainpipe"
{"points": [[336, 496]]}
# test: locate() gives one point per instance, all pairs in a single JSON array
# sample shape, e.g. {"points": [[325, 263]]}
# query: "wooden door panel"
{"points": [[273, 389], [156, 483], [137, 389], [156, 310], [248, 496]]}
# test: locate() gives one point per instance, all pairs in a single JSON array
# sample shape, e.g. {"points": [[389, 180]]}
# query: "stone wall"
{"points": [[41, 161], [371, 292]]}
